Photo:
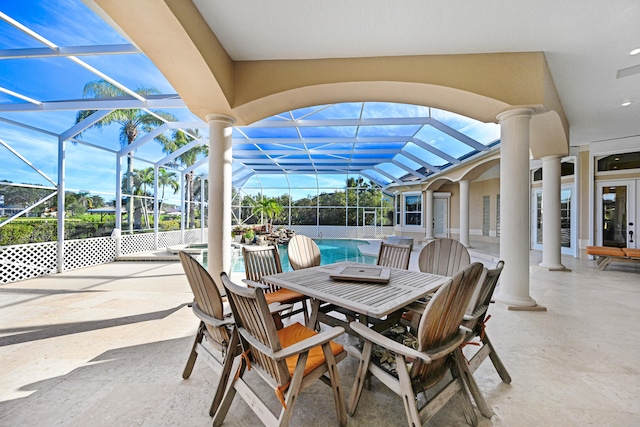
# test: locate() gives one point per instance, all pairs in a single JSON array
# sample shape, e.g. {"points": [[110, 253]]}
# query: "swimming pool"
{"points": [[331, 250]]}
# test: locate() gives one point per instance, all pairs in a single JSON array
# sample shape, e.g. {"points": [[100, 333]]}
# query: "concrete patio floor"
{"points": [[106, 345]]}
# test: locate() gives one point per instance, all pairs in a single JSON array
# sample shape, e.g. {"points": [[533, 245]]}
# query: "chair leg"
{"points": [[495, 359], [229, 393], [408, 398], [305, 311], [469, 413], [361, 374], [294, 390], [225, 374], [194, 354], [341, 411], [471, 384]]}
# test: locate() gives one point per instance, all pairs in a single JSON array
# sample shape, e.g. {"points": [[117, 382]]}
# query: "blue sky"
{"points": [[66, 23], [71, 23]]}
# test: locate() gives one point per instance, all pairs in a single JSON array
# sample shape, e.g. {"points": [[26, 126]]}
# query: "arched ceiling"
{"points": [[218, 67], [589, 65]]}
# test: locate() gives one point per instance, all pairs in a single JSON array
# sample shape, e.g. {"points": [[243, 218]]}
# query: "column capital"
{"points": [[551, 157], [220, 118], [515, 112]]}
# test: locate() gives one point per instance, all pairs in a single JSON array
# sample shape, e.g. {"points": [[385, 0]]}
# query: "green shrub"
{"points": [[16, 234], [38, 230]]}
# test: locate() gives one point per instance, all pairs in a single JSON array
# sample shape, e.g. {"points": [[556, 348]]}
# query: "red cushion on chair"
{"points": [[604, 251], [295, 333], [283, 296]]}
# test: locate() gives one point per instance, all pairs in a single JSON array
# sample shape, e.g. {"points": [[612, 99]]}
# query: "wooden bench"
{"points": [[605, 255]]}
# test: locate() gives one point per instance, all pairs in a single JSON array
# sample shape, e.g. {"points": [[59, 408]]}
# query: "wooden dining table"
{"points": [[367, 299]]}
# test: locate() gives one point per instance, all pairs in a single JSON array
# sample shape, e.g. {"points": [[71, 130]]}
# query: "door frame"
{"points": [[633, 187], [573, 241], [446, 226]]}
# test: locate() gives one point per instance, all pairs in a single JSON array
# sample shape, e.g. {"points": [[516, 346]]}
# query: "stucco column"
{"points": [[219, 233], [464, 212], [514, 207], [428, 219], [551, 213]]}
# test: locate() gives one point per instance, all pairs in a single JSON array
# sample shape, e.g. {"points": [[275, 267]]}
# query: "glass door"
{"points": [[441, 216], [567, 220], [536, 220], [616, 214]]}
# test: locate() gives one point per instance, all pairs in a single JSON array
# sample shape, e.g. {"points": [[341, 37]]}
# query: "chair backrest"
{"points": [[395, 256], [254, 322], [441, 320], [261, 261], [443, 256], [482, 297], [207, 298], [303, 252]]}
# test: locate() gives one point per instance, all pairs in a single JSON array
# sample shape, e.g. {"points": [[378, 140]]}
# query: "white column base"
{"points": [[512, 301], [523, 308], [553, 266]]}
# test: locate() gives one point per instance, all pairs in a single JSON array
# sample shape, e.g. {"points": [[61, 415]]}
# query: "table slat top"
{"points": [[371, 299]]}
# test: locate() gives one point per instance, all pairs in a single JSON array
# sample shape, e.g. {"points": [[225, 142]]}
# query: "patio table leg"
{"points": [[313, 319]]}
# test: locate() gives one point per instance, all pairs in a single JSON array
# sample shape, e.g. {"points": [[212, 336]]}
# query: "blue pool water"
{"points": [[331, 250]]}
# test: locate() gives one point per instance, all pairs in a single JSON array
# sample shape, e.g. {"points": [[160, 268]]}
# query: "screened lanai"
{"points": [[63, 86]]}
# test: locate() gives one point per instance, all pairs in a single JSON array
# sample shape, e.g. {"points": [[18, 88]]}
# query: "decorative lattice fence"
{"points": [[87, 252], [21, 262], [342, 232]]}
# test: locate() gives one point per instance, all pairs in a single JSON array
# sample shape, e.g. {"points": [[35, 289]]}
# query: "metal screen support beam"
{"points": [[202, 212], [182, 201], [156, 219], [117, 231], [61, 206]]}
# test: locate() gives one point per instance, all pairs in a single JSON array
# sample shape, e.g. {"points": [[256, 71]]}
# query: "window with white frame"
{"points": [[413, 209]]}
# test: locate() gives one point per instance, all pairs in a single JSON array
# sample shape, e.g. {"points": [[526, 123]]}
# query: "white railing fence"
{"points": [[343, 232], [21, 262]]}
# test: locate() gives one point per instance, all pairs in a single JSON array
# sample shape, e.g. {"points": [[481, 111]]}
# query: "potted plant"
{"points": [[237, 233], [249, 236]]}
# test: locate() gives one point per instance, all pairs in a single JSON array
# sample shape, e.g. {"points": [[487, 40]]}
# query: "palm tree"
{"points": [[178, 139], [167, 179], [268, 207], [140, 179], [131, 121]]}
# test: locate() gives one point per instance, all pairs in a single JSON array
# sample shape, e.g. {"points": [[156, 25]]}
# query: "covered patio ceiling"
{"points": [[48, 58]]}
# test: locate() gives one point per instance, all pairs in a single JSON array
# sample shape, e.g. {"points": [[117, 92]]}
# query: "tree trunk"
{"points": [[186, 211], [192, 220]]}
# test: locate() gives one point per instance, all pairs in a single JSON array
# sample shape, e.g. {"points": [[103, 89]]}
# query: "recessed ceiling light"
{"points": [[626, 103], [635, 51]]}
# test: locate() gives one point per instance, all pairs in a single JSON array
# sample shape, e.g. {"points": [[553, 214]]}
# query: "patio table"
{"points": [[375, 300]]}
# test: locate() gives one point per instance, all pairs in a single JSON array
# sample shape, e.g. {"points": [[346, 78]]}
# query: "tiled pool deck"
{"points": [[105, 346]]}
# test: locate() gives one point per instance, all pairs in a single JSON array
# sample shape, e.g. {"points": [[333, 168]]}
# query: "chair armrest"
{"points": [[389, 344], [296, 348], [253, 284], [216, 323], [277, 307], [450, 345], [309, 343], [476, 314], [416, 307]]}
